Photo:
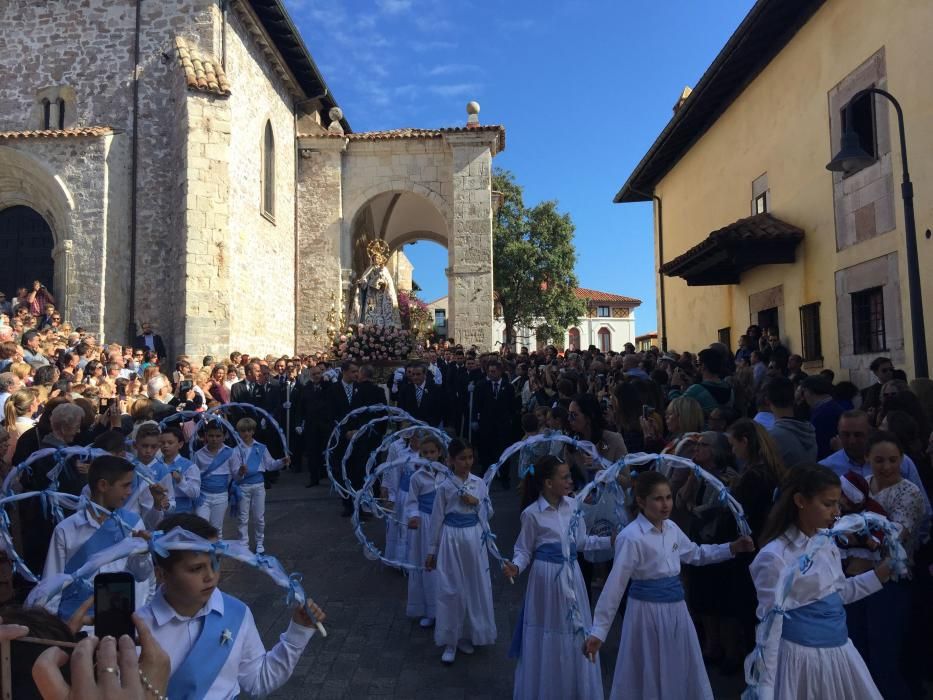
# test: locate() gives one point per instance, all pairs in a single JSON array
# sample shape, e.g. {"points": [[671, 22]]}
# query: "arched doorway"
{"points": [[573, 339], [604, 336], [26, 244]]}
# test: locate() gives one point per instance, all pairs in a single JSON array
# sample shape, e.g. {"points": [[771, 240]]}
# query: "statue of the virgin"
{"points": [[375, 302]]}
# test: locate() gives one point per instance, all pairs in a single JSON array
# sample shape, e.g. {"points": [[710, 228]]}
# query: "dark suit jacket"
{"points": [[159, 346], [433, 404], [240, 394], [496, 416], [161, 410]]}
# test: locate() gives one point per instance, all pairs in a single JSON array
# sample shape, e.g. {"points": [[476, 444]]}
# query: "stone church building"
{"points": [[183, 162]]}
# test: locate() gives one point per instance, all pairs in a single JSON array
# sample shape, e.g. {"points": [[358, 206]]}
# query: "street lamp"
{"points": [[851, 157]]}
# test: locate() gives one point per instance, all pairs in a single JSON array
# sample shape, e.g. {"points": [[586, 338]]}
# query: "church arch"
{"points": [[26, 182], [26, 245]]}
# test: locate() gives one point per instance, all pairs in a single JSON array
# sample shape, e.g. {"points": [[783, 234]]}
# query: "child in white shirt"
{"points": [[248, 484]]}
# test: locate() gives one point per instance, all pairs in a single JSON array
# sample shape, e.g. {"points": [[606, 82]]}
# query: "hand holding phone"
{"points": [[114, 604]]}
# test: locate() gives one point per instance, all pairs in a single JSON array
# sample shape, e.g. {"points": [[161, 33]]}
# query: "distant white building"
{"points": [[609, 323]]}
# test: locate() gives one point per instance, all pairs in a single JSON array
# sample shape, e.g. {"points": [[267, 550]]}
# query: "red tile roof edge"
{"points": [[74, 132]]}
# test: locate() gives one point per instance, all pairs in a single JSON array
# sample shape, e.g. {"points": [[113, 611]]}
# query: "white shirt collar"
{"points": [[645, 525], [164, 613], [543, 505]]}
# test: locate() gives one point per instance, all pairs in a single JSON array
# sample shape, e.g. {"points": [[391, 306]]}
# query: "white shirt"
{"points": [[424, 480], [542, 523], [71, 534], [249, 667], [190, 484], [203, 458], [266, 463], [448, 501], [643, 552], [822, 578]]}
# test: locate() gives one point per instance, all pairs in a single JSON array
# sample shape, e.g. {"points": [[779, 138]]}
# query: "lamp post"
{"points": [[852, 157]]}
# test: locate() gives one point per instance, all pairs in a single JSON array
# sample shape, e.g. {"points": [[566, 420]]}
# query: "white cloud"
{"points": [[448, 68], [394, 7], [454, 89]]}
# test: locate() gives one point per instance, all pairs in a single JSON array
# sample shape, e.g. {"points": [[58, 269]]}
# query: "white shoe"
{"points": [[465, 646], [260, 549], [426, 622], [450, 653]]}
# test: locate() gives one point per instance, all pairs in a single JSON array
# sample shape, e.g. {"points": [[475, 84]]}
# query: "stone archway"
{"points": [[346, 184], [26, 182], [26, 245]]}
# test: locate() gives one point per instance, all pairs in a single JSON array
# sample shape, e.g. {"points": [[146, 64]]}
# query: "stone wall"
{"points": [[471, 307], [261, 250], [320, 213], [70, 183]]}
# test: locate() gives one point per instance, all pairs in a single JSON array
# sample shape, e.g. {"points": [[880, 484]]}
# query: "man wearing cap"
{"points": [[824, 412]]}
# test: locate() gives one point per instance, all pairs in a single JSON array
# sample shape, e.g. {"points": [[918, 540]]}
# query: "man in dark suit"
{"points": [[150, 341], [421, 397], [315, 421], [250, 390], [345, 396], [494, 411]]}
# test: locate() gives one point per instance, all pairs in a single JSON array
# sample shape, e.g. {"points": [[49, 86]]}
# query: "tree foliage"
{"points": [[533, 263]]}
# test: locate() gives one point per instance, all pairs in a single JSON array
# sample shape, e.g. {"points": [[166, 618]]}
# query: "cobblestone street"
{"points": [[373, 650]]}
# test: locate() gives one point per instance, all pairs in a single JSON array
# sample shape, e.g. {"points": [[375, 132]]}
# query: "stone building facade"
{"points": [[195, 171]]}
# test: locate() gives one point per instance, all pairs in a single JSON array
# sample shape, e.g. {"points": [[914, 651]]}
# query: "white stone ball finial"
{"points": [[335, 114], [472, 109]]}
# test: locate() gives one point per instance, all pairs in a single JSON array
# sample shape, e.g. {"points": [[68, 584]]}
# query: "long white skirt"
{"points": [[464, 590], [659, 655], [812, 673], [552, 665], [422, 585], [397, 531]]}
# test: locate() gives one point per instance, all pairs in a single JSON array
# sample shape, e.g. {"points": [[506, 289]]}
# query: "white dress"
{"points": [[464, 589], [395, 481], [659, 654], [791, 670], [422, 585], [546, 632]]}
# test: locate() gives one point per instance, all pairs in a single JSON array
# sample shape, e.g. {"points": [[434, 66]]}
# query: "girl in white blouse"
{"points": [[544, 631], [806, 651], [465, 615], [878, 625], [422, 585], [659, 654]]}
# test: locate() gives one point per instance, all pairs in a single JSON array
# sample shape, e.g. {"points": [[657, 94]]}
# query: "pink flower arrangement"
{"points": [[372, 343]]}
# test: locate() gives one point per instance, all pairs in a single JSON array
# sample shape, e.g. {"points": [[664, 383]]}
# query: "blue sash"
{"points": [[108, 534], [404, 482], [657, 590], [426, 502], [197, 673], [461, 519], [253, 462], [551, 553], [820, 624], [215, 483], [162, 470]]}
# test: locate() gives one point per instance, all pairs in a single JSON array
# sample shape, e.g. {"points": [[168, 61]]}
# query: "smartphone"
{"points": [[646, 411], [114, 603], [104, 405]]}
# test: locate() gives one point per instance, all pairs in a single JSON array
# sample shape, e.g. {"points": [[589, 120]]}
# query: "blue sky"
{"points": [[582, 88]]}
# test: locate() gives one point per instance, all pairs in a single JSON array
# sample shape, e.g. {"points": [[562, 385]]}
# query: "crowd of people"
{"points": [[795, 449]]}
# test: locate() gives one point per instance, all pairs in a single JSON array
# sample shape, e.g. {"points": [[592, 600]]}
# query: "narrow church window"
{"points": [[46, 114], [61, 113], [268, 172]]}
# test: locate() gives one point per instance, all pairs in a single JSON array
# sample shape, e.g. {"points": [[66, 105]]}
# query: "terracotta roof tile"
{"points": [[594, 295], [393, 134], [202, 72], [752, 229], [78, 131]]}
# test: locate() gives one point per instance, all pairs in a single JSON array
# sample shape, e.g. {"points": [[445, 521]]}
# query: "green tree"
{"points": [[533, 263]]}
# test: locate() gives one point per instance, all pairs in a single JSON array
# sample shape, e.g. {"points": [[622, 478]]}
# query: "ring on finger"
{"points": [[109, 669]]}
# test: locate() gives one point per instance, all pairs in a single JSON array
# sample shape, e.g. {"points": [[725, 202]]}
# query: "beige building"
{"points": [[750, 227], [184, 162], [608, 324]]}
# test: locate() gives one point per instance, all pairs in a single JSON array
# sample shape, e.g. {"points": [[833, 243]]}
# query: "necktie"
{"points": [[349, 389], [419, 394], [495, 390]]}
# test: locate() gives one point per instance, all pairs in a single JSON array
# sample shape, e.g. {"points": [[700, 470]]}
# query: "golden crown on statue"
{"points": [[378, 252]]}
